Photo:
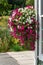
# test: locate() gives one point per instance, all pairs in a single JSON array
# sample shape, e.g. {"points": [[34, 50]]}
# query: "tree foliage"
{"points": [[7, 5], [30, 2], [4, 7]]}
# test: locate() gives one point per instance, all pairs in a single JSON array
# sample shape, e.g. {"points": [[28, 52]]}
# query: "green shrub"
{"points": [[4, 40], [3, 21], [4, 7], [15, 45], [7, 5]]}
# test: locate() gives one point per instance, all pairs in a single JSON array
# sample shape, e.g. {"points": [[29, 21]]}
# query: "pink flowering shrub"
{"points": [[22, 24]]}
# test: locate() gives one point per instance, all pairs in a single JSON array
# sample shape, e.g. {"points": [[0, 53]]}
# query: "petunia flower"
{"points": [[22, 27], [21, 39], [29, 7], [14, 29], [18, 26], [32, 45]]}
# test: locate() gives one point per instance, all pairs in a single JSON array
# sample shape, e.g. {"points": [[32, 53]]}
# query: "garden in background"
{"points": [[7, 41]]}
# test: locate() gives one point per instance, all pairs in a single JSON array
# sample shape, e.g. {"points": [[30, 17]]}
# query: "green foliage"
{"points": [[7, 5], [15, 47], [4, 7], [4, 40], [17, 2], [15, 41], [3, 21], [29, 2]]}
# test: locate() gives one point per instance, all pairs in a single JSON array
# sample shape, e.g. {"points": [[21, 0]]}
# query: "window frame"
{"points": [[40, 33]]}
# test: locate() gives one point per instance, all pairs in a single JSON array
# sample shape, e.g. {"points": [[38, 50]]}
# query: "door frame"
{"points": [[40, 33]]}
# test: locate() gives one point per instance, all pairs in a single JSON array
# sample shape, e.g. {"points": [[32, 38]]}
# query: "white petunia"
{"points": [[28, 27], [23, 22], [31, 27], [30, 21], [32, 7], [10, 18], [27, 19], [20, 9], [19, 17], [26, 15], [25, 8], [18, 26], [15, 19], [33, 15], [30, 12], [11, 29], [23, 18]]}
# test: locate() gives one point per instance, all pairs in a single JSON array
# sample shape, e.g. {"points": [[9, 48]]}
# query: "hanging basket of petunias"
{"points": [[22, 24]]}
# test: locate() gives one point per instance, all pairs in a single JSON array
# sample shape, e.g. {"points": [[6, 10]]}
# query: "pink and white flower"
{"points": [[22, 23]]}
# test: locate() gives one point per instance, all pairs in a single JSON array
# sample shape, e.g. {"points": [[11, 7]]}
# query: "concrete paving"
{"points": [[6, 59], [24, 57]]}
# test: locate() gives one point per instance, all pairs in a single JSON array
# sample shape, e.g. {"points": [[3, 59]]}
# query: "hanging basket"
{"points": [[22, 24]]}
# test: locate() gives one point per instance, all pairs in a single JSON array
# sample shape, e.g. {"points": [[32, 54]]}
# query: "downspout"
{"points": [[35, 6]]}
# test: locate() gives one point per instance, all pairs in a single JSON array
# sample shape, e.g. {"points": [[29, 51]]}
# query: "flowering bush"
{"points": [[22, 24]]}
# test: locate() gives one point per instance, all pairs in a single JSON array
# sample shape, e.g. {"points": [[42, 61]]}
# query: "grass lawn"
{"points": [[3, 21]]}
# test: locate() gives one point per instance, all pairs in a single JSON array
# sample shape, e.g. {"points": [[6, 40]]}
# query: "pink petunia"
{"points": [[14, 29], [27, 31], [22, 27], [10, 22], [14, 12], [28, 36], [14, 34], [33, 20], [31, 31], [32, 44], [21, 38], [29, 7], [18, 26], [19, 13]]}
